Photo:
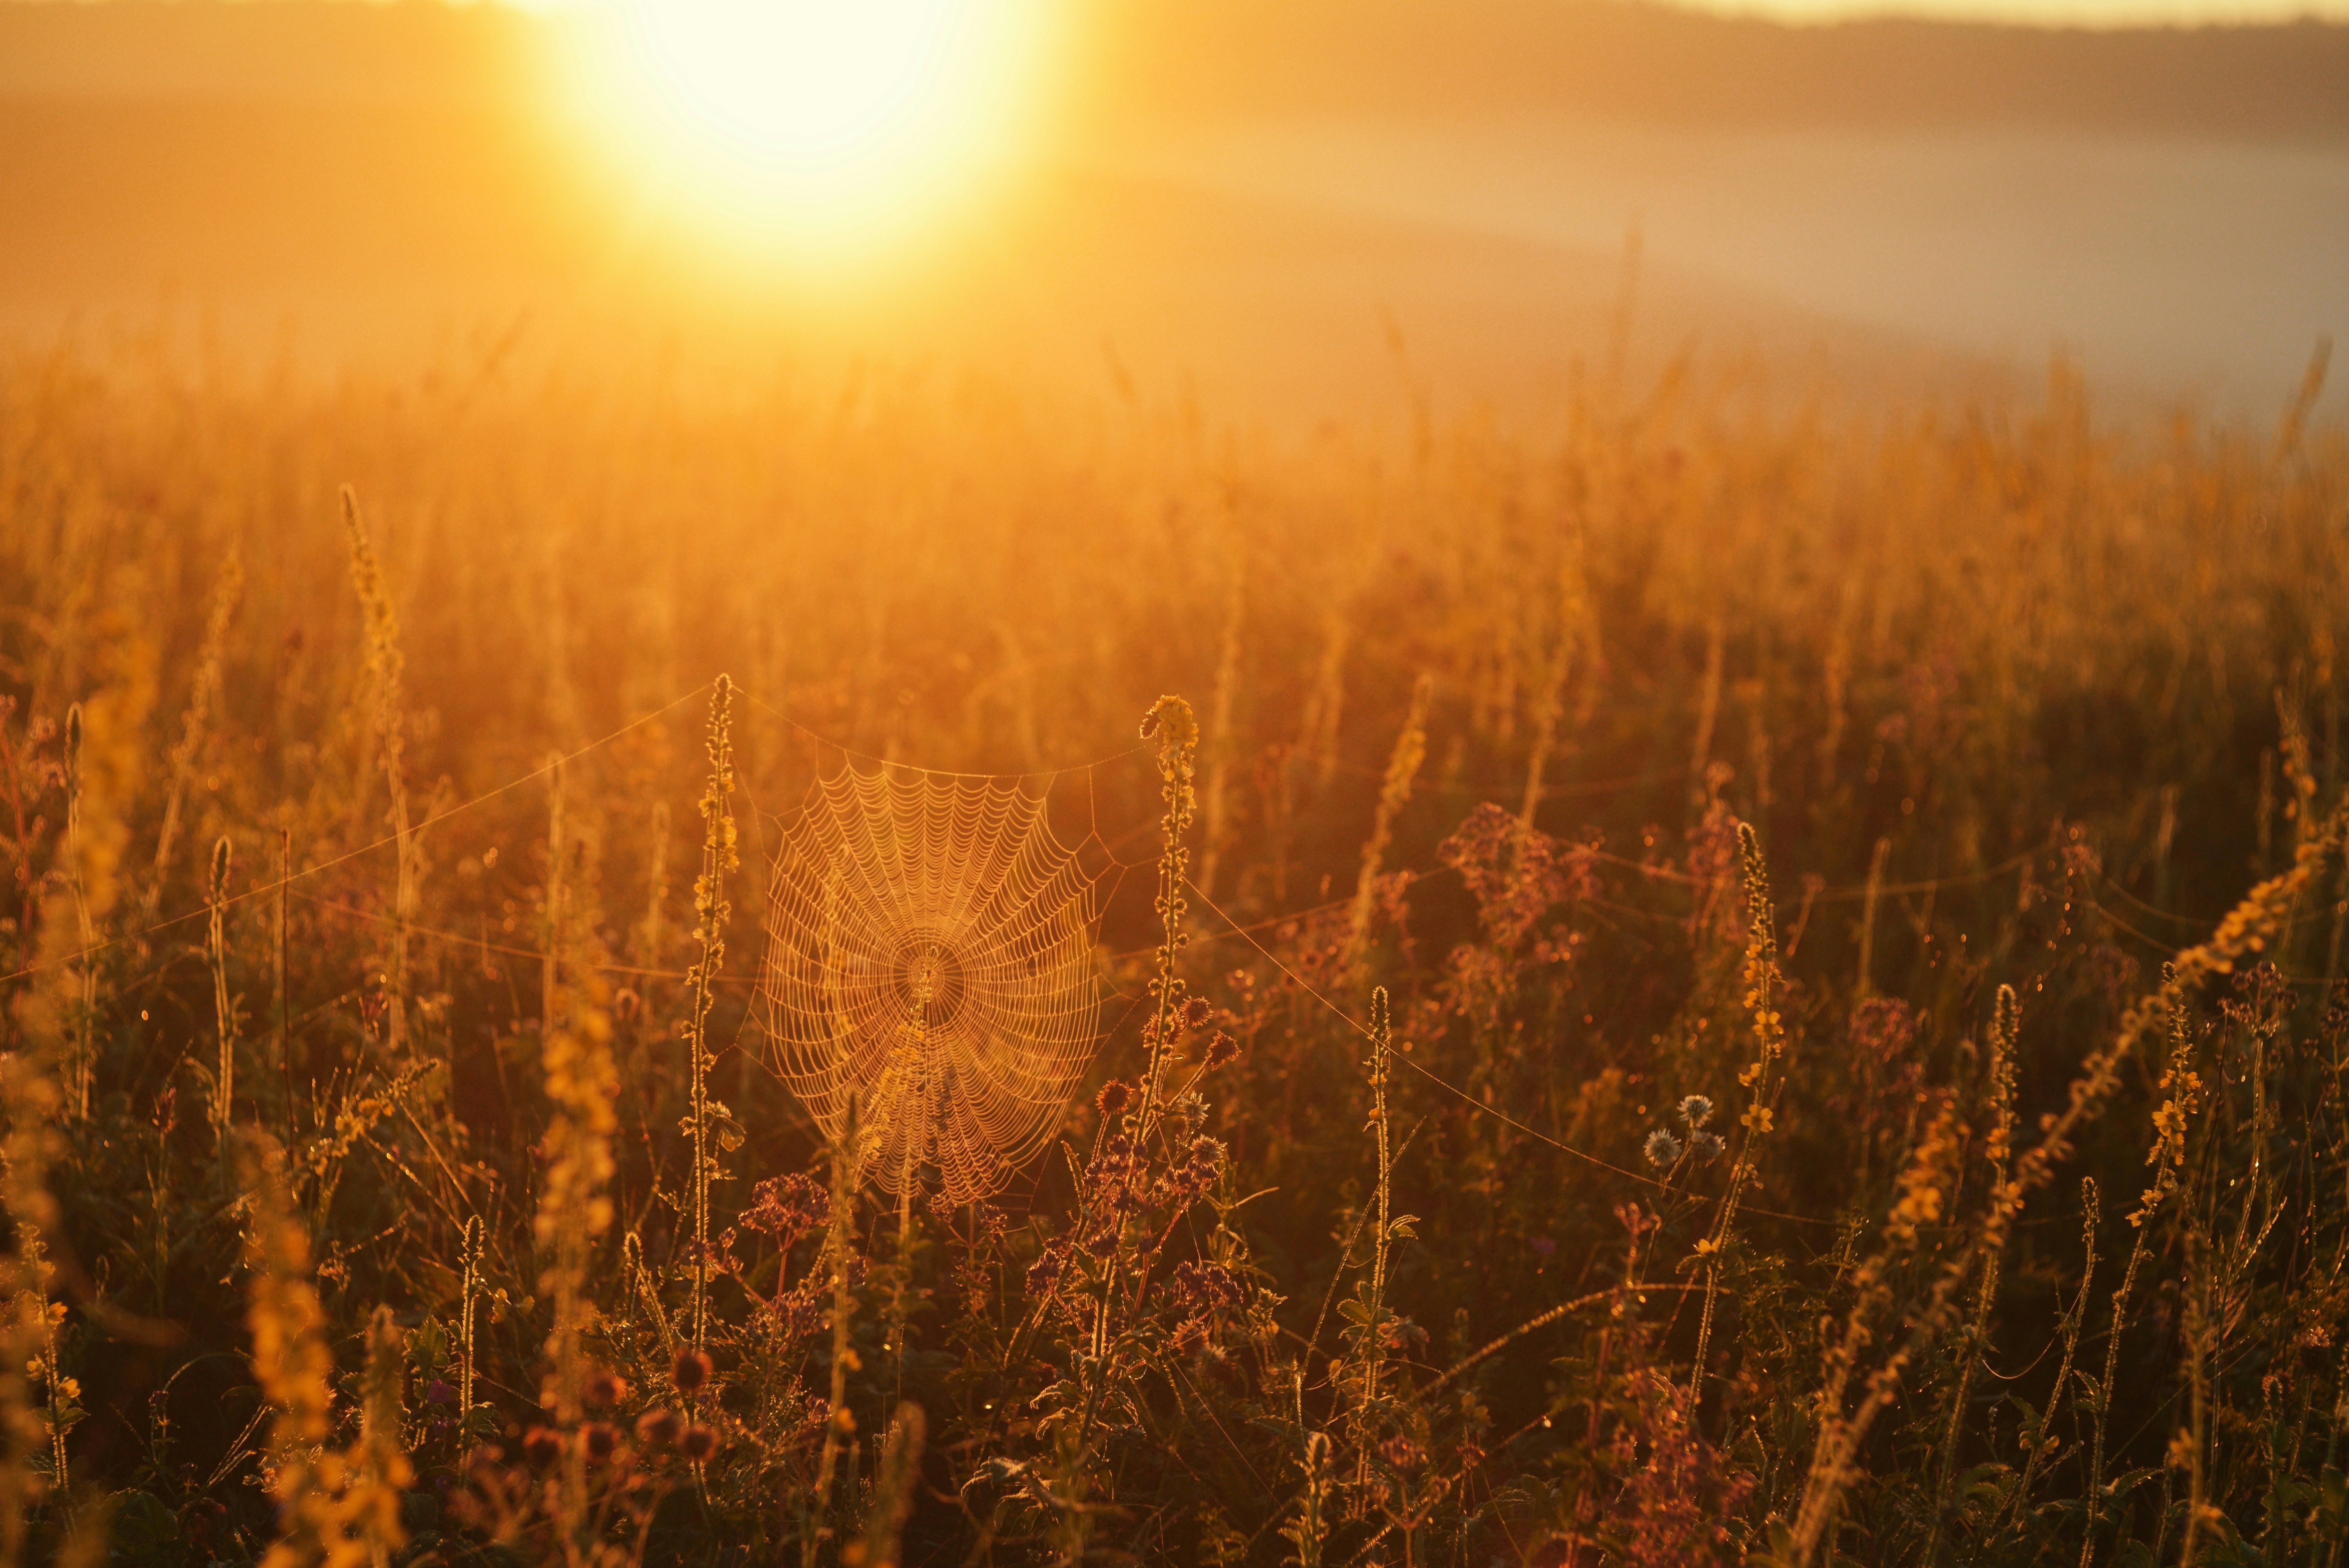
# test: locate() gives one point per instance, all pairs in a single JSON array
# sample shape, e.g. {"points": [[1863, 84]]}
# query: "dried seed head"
{"points": [[1221, 1050], [542, 1447], [698, 1443], [1115, 1098], [1696, 1110], [660, 1427], [604, 1387], [1662, 1148], [600, 1438], [691, 1373]]}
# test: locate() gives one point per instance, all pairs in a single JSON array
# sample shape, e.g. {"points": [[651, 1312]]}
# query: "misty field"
{"points": [[1722, 976]]}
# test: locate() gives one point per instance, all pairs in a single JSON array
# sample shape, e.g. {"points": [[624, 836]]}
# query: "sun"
{"points": [[830, 126]]}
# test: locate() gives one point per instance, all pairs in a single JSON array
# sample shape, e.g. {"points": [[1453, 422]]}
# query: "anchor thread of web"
{"points": [[930, 955]]}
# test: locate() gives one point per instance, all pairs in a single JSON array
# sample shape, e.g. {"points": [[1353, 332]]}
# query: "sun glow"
{"points": [[826, 125]]}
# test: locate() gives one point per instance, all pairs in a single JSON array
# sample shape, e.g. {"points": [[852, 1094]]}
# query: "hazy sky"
{"points": [[2058, 13]]}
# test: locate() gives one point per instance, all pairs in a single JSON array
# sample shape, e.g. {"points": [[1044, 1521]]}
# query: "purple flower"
{"points": [[439, 1393]]}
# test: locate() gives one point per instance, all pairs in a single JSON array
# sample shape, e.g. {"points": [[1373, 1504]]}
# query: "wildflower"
{"points": [[698, 1443], [1401, 1453], [690, 1373], [1704, 1146], [1208, 1288], [1043, 1271], [1930, 1171], [1115, 1098], [659, 1427], [1662, 1148], [605, 1387], [1195, 1012], [1696, 1110], [1221, 1050], [789, 1207], [438, 1392]]}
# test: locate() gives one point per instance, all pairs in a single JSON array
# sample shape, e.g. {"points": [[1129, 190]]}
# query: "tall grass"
{"points": [[1950, 792]]}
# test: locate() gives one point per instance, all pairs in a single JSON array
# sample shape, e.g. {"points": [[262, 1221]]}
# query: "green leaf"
{"points": [[144, 1530]]}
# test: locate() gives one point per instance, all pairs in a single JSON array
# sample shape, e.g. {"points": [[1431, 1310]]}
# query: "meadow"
{"points": [[1715, 976]]}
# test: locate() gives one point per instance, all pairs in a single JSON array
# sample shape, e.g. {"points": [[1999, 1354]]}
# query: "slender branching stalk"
{"points": [[1170, 722], [839, 1425], [2040, 1444], [204, 697], [468, 1302], [384, 669], [1372, 1346], [1999, 1152], [1394, 793], [1763, 985], [224, 1005], [710, 913]]}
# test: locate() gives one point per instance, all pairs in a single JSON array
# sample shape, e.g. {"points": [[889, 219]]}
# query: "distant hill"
{"points": [[1160, 59], [1630, 60]]}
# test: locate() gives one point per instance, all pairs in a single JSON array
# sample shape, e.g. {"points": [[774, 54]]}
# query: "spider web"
{"points": [[930, 955]]}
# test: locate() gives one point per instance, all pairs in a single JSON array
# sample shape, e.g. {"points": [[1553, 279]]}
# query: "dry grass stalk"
{"points": [[1394, 793], [1764, 985], [338, 1508], [224, 1005], [1999, 1152], [894, 1490], [710, 908], [2247, 930], [1568, 631], [580, 1081], [1372, 1341], [34, 1399], [204, 697], [1170, 722], [1219, 729], [385, 666], [840, 1422]]}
